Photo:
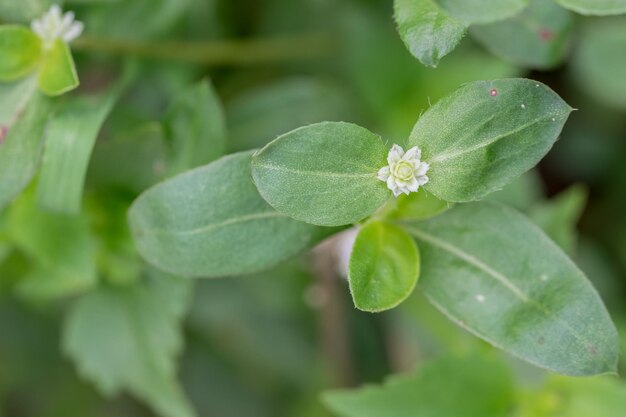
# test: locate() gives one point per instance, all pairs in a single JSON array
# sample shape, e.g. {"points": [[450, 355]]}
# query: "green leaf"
{"points": [[485, 134], [23, 117], [211, 222], [595, 7], [60, 248], [384, 267], [323, 174], [482, 11], [259, 115], [538, 37], [558, 217], [23, 11], [128, 338], [468, 386], [416, 206], [20, 50], [427, 31], [71, 135], [599, 61], [196, 128], [58, 73], [499, 276]]}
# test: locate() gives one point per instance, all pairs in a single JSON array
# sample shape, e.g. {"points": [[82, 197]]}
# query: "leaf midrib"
{"points": [[215, 226], [316, 173], [501, 278], [454, 154]]}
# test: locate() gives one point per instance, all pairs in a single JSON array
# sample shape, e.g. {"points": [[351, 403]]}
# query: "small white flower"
{"points": [[405, 172], [54, 24]]}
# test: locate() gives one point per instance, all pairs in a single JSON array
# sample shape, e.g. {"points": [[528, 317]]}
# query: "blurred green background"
{"points": [[269, 345]]}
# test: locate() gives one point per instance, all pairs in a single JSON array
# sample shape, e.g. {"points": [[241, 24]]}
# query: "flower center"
{"points": [[403, 170]]}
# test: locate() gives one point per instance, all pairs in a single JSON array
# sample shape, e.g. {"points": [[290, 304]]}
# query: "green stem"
{"points": [[222, 52]]}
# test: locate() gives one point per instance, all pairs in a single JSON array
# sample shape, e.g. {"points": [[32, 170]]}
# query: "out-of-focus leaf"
{"points": [[259, 115], [468, 386], [59, 246], [128, 338], [384, 267], [493, 132], [70, 137], [576, 397], [558, 216], [196, 128], [20, 50], [311, 172], [23, 11], [211, 222], [23, 117], [427, 31], [139, 159], [595, 7], [156, 16], [598, 64], [482, 11], [536, 38], [497, 275], [57, 74], [522, 193]]}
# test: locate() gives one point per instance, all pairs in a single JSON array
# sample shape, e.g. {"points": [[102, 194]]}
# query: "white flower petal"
{"points": [[395, 154], [412, 154], [75, 30], [384, 173], [414, 185], [422, 179], [422, 169]]}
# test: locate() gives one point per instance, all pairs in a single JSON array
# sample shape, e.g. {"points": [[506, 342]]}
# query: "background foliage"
{"points": [[88, 328]]}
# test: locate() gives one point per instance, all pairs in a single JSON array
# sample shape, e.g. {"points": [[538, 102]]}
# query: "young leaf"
{"points": [[71, 135], [595, 7], [23, 117], [427, 31], [60, 247], [196, 128], [536, 38], [128, 338], [323, 174], [485, 134], [384, 267], [20, 50], [58, 73], [211, 222], [599, 62], [499, 276], [417, 206], [468, 386], [482, 11]]}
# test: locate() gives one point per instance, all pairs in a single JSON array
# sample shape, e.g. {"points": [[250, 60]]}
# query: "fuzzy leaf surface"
{"points": [[485, 134], [211, 222], [496, 274], [426, 30], [324, 174], [384, 267]]}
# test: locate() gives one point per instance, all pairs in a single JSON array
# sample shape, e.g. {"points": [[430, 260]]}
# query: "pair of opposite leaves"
{"points": [[216, 221], [211, 221]]}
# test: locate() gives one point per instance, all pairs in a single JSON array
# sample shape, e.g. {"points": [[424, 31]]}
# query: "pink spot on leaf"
{"points": [[546, 35], [3, 133], [493, 92]]}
